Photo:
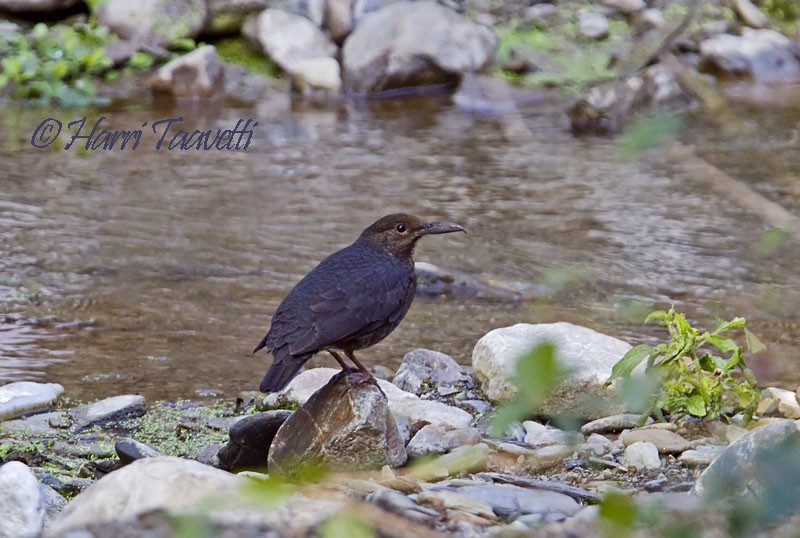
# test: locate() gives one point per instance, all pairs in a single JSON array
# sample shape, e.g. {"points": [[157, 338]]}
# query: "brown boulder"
{"points": [[345, 425]]}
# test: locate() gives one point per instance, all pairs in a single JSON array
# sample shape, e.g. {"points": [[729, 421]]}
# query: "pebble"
{"points": [[593, 25], [701, 456], [129, 450], [613, 423], [451, 500], [625, 6], [396, 502], [778, 402], [666, 441], [79, 449], [41, 424], [750, 14], [641, 455]]}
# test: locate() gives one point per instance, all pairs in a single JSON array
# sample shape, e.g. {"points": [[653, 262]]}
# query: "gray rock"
{"points": [[666, 441], [396, 502], [588, 354], [145, 485], [750, 14], [250, 439], [402, 403], [593, 25], [437, 439], [613, 423], [410, 44], [625, 6], [641, 455], [35, 424], [433, 280], [22, 396], [313, 10], [761, 463], [539, 14], [54, 503], [82, 449], [763, 55], [197, 74], [228, 16], [156, 22], [22, 509], [338, 19], [129, 450], [114, 408], [345, 425], [36, 6], [427, 366], [509, 501], [702, 456], [291, 41]]}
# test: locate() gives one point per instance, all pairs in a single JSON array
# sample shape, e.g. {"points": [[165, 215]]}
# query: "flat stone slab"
{"points": [[114, 408], [17, 398], [666, 441]]}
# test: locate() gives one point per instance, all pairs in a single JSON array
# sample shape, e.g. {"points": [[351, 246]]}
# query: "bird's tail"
{"points": [[281, 372]]}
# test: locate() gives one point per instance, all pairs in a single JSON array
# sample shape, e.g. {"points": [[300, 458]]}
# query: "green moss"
{"points": [[237, 51]]}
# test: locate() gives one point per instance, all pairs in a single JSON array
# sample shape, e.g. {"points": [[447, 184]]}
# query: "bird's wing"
{"points": [[352, 306]]}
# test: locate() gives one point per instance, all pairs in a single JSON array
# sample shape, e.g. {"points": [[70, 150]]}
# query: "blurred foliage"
{"points": [[537, 374], [346, 526], [697, 371], [785, 12], [237, 51], [54, 64], [572, 63], [770, 241], [649, 133]]}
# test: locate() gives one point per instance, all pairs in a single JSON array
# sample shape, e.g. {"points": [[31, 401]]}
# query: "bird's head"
{"points": [[398, 233]]}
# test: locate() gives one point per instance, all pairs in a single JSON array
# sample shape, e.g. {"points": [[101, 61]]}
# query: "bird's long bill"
{"points": [[441, 228]]}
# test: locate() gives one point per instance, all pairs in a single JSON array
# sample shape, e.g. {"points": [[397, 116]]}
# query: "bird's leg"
{"points": [[346, 367], [367, 375]]}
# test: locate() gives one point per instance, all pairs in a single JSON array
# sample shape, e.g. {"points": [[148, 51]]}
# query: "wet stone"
{"points": [[424, 365], [22, 396], [114, 408], [36, 424], [129, 450], [250, 440]]}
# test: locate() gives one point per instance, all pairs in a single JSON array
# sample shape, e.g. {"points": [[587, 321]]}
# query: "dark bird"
{"points": [[352, 300]]}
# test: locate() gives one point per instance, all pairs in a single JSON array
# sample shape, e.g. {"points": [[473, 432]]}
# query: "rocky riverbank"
{"points": [[612, 60], [419, 454]]}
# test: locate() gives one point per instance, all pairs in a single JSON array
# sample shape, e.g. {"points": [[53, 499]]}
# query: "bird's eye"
{"points": [[401, 228]]}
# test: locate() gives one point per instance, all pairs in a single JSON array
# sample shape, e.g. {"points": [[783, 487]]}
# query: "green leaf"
{"points": [[658, 315], [346, 526], [538, 373], [629, 362], [735, 323], [696, 406], [723, 343], [141, 60], [649, 133], [754, 344]]}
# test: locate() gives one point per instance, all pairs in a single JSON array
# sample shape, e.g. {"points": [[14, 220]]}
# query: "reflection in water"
{"points": [[156, 272]]}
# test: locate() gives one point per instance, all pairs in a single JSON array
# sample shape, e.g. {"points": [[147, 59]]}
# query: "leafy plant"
{"points": [[54, 64], [697, 371]]}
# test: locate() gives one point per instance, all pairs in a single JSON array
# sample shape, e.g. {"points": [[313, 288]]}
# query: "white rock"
{"points": [[785, 403], [402, 403], [21, 504], [588, 354], [642, 455], [750, 14], [593, 25], [408, 44], [316, 74], [16, 398], [765, 55], [436, 439], [289, 40]]}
